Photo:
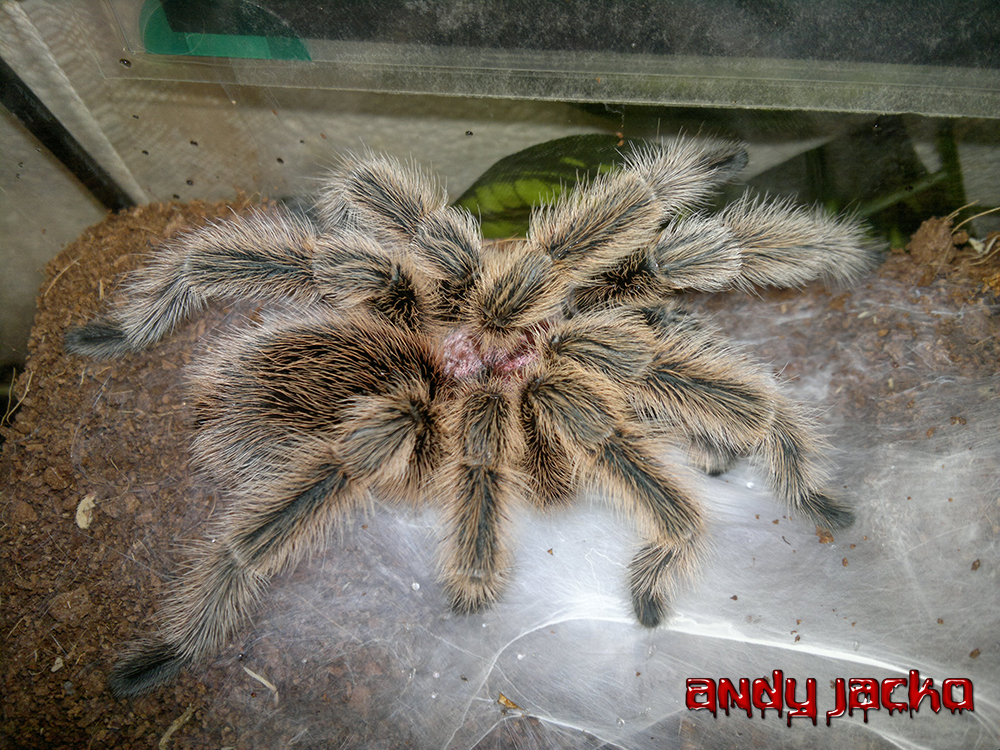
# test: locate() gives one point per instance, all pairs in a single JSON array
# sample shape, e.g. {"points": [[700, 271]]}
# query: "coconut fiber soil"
{"points": [[96, 490]]}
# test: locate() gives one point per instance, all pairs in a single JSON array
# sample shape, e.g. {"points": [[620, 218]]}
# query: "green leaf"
{"points": [[503, 197]]}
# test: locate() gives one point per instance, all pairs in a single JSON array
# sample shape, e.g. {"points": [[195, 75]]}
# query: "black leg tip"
{"points": [[98, 339], [726, 161], [650, 609], [144, 666], [470, 595], [829, 512]]}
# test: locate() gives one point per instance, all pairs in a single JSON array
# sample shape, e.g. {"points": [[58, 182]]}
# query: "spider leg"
{"points": [[707, 392], [406, 208], [582, 412], [351, 270], [616, 342], [666, 514], [299, 421], [594, 231], [622, 344], [262, 255], [710, 457], [517, 289], [259, 537], [613, 349], [749, 243], [478, 489], [269, 528], [666, 319], [595, 227], [279, 256], [786, 246], [547, 462], [605, 342], [685, 172], [382, 193], [696, 253]]}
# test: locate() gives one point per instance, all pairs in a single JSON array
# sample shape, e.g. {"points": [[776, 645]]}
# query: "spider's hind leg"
{"points": [[582, 410], [481, 488], [295, 455], [666, 514], [271, 527], [255, 540], [788, 453], [702, 389]]}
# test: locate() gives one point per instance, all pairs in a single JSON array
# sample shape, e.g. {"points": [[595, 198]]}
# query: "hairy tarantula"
{"points": [[400, 355]]}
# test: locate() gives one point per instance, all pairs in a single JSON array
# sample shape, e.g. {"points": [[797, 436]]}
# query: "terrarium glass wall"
{"points": [[935, 57], [887, 111]]}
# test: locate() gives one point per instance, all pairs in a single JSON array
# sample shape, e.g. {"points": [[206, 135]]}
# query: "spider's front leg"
{"points": [[265, 255], [784, 245], [374, 216], [405, 208], [582, 412], [751, 243], [604, 228]]}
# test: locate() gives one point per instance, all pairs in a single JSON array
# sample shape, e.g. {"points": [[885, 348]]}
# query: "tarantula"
{"points": [[399, 355]]}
